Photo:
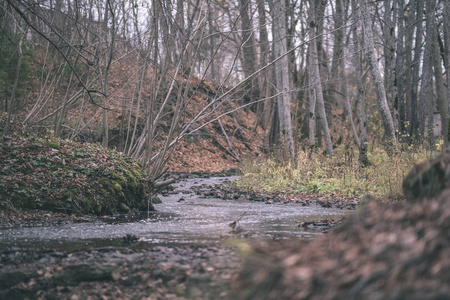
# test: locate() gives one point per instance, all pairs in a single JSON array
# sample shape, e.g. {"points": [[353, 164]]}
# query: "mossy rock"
{"points": [[62, 175]]}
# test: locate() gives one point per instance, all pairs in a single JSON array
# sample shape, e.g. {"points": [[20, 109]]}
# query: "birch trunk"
{"points": [[369, 49], [415, 71], [426, 102], [389, 51], [440, 89]]}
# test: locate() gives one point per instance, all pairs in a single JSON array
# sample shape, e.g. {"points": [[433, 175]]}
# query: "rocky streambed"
{"points": [[184, 250]]}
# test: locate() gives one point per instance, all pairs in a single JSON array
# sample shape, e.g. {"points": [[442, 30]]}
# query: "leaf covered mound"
{"points": [[66, 176]]}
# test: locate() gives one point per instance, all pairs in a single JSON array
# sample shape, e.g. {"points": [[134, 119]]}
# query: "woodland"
{"points": [[141, 76], [313, 102]]}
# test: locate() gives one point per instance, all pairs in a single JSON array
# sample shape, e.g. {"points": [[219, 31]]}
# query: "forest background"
{"points": [[185, 85]]}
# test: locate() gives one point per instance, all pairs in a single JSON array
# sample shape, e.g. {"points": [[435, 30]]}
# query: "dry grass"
{"points": [[341, 175]]}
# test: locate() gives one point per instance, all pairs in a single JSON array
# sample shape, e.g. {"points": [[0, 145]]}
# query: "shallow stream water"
{"points": [[184, 217]]}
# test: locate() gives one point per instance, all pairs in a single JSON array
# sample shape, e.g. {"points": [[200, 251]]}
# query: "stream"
{"points": [[185, 217]]}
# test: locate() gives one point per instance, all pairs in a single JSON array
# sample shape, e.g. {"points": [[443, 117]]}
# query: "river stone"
{"points": [[428, 179], [74, 274]]}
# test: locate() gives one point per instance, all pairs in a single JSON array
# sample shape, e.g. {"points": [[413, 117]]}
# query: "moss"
{"points": [[95, 183], [52, 145], [117, 186], [119, 178]]}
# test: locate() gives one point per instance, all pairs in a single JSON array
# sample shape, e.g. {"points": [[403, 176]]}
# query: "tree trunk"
{"points": [[440, 89], [416, 72], [311, 114], [248, 48], [389, 51], [356, 59], [282, 79], [390, 140], [447, 51], [400, 68], [263, 107], [409, 38], [336, 84], [426, 103], [313, 72]]}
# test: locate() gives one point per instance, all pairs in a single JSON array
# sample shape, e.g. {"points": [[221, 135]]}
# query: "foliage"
{"points": [[340, 175], [62, 175]]}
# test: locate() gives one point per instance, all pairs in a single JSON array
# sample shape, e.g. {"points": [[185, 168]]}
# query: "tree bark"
{"points": [[447, 51], [415, 72], [335, 85], [315, 79], [440, 89], [264, 107], [356, 59], [369, 49], [389, 51], [400, 68], [409, 38], [248, 48], [282, 78], [426, 103]]}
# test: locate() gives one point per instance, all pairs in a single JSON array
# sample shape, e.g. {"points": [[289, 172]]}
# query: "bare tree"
{"points": [[414, 84], [426, 103], [369, 49], [282, 78], [248, 47], [447, 53], [315, 81], [356, 59], [440, 88], [400, 68]]}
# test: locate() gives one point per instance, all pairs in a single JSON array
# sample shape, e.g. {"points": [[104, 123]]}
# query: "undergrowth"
{"points": [[341, 175]]}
